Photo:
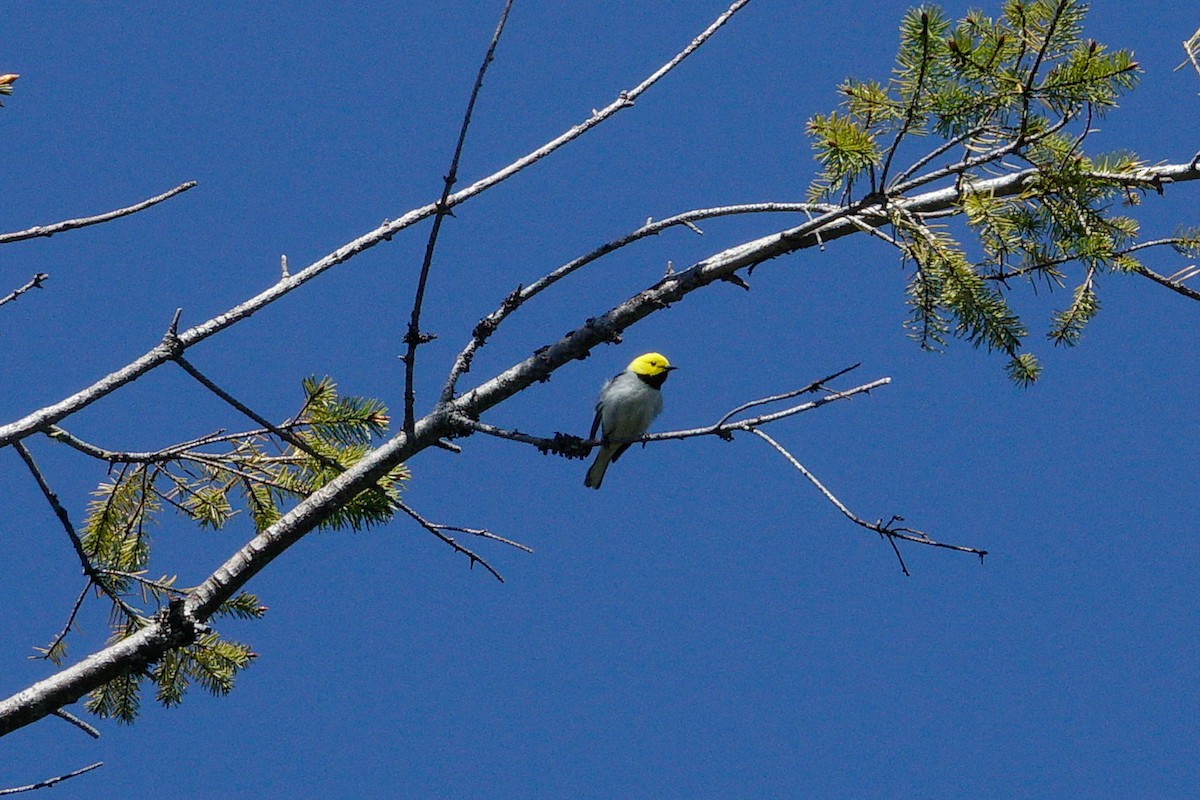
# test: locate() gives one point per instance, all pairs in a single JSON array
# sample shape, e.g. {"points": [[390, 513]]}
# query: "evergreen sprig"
{"points": [[1017, 92], [262, 473]]}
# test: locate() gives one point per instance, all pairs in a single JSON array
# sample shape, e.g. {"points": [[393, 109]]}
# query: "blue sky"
{"points": [[705, 625]]}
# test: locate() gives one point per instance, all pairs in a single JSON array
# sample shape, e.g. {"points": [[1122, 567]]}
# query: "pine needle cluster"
{"points": [[1014, 94], [210, 482]]}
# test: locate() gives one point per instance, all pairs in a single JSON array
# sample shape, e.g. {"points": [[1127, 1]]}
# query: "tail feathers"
{"points": [[595, 473]]}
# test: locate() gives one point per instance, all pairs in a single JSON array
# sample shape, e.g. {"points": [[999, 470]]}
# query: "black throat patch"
{"points": [[654, 381]]}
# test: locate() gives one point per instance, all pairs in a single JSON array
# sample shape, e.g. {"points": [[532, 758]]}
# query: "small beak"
{"points": [[668, 369]]}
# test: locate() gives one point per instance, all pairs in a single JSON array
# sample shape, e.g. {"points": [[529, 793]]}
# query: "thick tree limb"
{"points": [[167, 350], [150, 643]]}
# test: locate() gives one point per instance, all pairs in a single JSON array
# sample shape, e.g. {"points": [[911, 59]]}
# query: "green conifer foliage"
{"points": [[971, 101]]}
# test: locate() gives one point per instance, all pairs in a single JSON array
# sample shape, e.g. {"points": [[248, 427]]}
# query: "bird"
{"points": [[628, 403]]}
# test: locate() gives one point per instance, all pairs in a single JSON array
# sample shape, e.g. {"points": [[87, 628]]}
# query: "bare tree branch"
{"points": [[83, 222], [51, 781], [1174, 285], [440, 531], [34, 283], [93, 575], [885, 529], [59, 510], [488, 325], [90, 730], [413, 336], [174, 344], [575, 447]]}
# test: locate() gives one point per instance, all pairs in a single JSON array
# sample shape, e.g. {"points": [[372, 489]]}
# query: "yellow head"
{"points": [[650, 365]]}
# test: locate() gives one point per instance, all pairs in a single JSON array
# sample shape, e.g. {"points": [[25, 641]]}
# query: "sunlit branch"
{"points": [[50, 781], [488, 325], [83, 222], [963, 166], [67, 716], [174, 344], [33, 283], [944, 147]]}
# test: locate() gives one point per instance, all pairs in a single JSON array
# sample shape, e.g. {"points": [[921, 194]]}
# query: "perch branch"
{"points": [[488, 325], [174, 344]]}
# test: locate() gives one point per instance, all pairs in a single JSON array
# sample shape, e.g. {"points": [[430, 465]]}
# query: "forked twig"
{"points": [[886, 530], [413, 337], [812, 387], [575, 447], [440, 532]]}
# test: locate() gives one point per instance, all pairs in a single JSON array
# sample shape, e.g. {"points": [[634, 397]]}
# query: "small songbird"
{"points": [[628, 403]]}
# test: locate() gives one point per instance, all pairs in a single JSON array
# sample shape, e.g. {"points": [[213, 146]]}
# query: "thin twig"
{"points": [[413, 337], [961, 167], [944, 147], [1161, 280], [812, 387], [484, 533], [34, 283], [133, 576], [488, 325], [62, 634], [93, 575], [59, 511], [83, 222], [283, 434], [910, 114], [887, 530], [723, 429], [51, 781], [573, 447], [439, 532], [90, 730], [1171, 241]]}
